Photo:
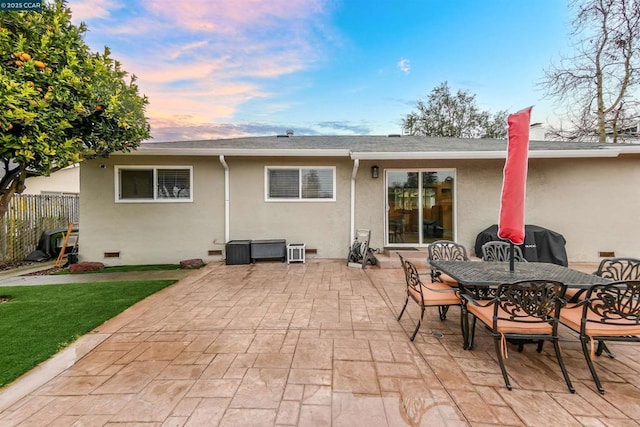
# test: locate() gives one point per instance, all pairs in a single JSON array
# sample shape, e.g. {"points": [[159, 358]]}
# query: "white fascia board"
{"points": [[425, 155], [575, 154], [477, 155], [149, 151], [635, 149]]}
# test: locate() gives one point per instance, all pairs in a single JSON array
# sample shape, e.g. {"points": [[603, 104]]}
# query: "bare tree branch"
{"points": [[598, 83]]}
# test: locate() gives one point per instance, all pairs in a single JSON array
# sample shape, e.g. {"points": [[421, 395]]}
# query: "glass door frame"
{"points": [[420, 171]]}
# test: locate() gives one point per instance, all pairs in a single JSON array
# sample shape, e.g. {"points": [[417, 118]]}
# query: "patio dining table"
{"points": [[484, 276], [482, 273]]}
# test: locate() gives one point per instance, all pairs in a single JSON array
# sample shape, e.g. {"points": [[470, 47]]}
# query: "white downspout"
{"points": [[226, 198], [356, 164]]}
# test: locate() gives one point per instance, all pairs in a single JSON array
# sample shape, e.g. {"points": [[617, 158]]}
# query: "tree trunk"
{"points": [[16, 186]]}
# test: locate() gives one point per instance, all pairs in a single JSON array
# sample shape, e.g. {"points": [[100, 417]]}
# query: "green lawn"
{"points": [[38, 321]]}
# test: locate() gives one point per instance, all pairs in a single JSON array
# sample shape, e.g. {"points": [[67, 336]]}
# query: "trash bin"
{"points": [[238, 252]]}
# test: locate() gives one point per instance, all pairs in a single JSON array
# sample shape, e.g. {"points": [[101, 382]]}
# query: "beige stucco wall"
{"points": [[170, 232], [150, 233], [66, 180], [321, 225], [592, 202]]}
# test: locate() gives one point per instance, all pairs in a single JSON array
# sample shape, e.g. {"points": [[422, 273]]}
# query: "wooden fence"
{"points": [[28, 216]]}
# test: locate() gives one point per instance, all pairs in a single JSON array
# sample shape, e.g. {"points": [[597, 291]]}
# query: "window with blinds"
{"points": [[300, 183], [173, 183], [154, 184]]}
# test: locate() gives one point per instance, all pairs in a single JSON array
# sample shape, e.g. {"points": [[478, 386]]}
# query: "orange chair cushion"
{"points": [[572, 316], [431, 298], [505, 326], [448, 280], [573, 292]]}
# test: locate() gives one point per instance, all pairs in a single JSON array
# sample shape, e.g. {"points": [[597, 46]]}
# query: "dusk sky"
{"points": [[228, 68]]}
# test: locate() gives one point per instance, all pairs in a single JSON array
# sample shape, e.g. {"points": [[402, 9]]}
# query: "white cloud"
{"points": [[235, 16], [404, 65], [200, 61], [83, 10]]}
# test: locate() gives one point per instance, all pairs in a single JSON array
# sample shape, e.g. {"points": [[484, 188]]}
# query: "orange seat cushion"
{"points": [[571, 316], [505, 326], [433, 298], [573, 292], [448, 280]]}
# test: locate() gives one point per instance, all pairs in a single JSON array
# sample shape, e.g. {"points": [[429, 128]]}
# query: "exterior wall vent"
{"points": [[112, 254], [393, 135]]}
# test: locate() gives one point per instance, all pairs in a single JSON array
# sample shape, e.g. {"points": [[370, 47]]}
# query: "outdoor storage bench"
{"points": [[265, 249]]}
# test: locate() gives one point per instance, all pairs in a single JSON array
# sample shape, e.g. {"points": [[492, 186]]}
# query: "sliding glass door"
{"points": [[419, 206]]}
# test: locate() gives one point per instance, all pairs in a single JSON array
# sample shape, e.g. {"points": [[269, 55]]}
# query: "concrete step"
{"points": [[388, 258]]}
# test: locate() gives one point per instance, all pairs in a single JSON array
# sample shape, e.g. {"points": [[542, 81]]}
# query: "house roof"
{"points": [[379, 147]]}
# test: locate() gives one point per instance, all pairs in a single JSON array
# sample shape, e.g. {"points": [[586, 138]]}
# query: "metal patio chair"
{"points": [[609, 312], [501, 251], [445, 250], [619, 269], [525, 310], [616, 269], [426, 295]]}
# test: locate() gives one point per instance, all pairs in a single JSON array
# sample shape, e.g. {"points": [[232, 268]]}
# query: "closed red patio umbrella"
{"points": [[514, 182]]}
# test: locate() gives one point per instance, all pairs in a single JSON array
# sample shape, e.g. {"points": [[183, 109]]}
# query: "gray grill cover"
{"points": [[540, 244]]}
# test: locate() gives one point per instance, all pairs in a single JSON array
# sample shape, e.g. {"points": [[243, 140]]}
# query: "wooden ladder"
{"points": [[65, 241]]}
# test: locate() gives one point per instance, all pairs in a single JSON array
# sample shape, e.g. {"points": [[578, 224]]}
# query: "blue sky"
{"points": [[228, 68]]}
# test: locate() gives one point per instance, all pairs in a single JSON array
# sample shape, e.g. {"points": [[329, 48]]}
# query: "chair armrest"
{"points": [[440, 290], [476, 302]]}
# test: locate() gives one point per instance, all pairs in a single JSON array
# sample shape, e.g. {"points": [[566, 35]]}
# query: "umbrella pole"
{"points": [[511, 257]]}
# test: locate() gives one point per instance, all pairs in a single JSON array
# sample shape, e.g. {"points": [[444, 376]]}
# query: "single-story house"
{"points": [[65, 182], [169, 201]]}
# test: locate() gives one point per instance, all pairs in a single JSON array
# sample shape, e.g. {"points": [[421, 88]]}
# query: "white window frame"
{"points": [[299, 199], [155, 198], [454, 201]]}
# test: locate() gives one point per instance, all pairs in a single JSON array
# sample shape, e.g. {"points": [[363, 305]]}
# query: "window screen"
{"points": [[317, 183], [136, 184]]}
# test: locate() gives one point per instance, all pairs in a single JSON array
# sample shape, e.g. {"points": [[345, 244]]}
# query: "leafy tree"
{"points": [[456, 116], [60, 103], [597, 84]]}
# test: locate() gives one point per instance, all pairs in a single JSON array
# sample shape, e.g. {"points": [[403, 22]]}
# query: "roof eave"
{"points": [[608, 152], [476, 155], [246, 152]]}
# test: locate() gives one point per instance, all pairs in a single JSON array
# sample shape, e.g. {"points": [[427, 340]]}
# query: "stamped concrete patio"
{"points": [[313, 344]]}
